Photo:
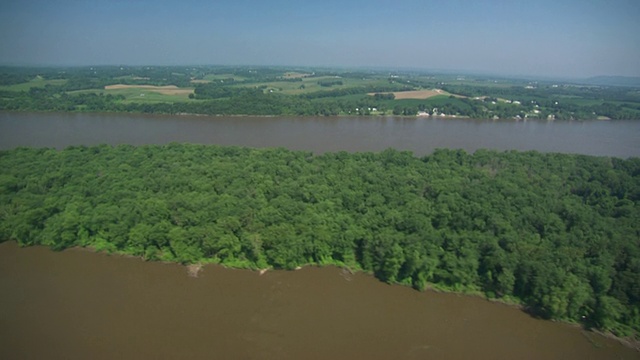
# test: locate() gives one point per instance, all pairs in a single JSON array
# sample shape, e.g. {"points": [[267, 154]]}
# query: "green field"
{"points": [[146, 96], [133, 95], [37, 82], [434, 101], [311, 84]]}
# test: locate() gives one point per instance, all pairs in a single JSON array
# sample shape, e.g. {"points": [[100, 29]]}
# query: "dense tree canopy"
{"points": [[558, 233]]}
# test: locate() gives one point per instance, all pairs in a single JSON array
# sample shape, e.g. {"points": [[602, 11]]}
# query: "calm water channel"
{"points": [[81, 305], [420, 135]]}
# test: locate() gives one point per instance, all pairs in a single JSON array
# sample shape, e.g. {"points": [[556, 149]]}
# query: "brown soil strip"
{"points": [[166, 90]]}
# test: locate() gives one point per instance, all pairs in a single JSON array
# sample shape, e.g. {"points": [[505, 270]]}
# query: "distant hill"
{"points": [[613, 81]]}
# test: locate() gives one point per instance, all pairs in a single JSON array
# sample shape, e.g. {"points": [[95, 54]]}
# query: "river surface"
{"points": [[419, 135], [77, 304]]}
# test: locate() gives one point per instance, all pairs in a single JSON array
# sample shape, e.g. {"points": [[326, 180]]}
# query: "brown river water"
{"points": [[619, 138], [77, 304]]}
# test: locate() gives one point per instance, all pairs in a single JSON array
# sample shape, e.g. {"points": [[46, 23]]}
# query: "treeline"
{"points": [[564, 102], [92, 77], [98, 76], [355, 90], [536, 91], [540, 109], [329, 83], [214, 91], [213, 101], [558, 233]]}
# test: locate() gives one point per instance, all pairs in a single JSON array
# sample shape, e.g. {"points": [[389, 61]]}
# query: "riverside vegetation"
{"points": [[219, 90], [556, 233]]}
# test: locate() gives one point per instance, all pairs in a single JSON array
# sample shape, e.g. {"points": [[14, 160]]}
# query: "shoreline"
{"points": [[377, 116]]}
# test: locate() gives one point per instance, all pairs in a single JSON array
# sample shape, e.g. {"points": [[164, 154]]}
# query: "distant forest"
{"points": [[557, 233]]}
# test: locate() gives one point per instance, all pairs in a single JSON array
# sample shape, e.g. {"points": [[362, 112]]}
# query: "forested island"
{"points": [[556, 233], [245, 90]]}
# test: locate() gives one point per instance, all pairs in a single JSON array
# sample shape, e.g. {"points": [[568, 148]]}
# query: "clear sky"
{"points": [[566, 38]]}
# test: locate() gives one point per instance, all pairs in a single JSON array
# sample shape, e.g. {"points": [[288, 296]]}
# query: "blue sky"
{"points": [[560, 38]]}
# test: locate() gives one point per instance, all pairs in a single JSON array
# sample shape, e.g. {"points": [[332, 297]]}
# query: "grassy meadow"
{"points": [[37, 82]]}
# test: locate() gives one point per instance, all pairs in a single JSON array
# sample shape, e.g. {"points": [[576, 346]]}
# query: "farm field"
{"points": [[165, 90], [150, 93], [37, 82], [420, 94], [307, 85], [246, 90]]}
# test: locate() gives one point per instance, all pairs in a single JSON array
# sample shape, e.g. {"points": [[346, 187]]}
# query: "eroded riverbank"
{"points": [[80, 304]]}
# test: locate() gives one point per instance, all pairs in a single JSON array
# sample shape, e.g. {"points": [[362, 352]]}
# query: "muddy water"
{"points": [[419, 135], [81, 305]]}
